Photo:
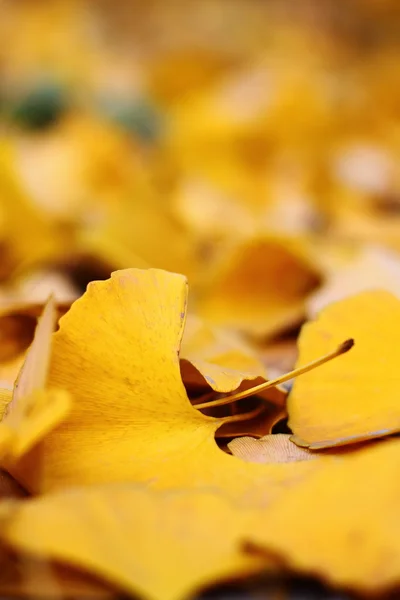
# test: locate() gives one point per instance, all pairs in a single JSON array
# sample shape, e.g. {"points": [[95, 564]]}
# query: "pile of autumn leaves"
{"points": [[127, 479]]}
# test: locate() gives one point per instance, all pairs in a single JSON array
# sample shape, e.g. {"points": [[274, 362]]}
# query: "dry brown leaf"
{"points": [[276, 448], [259, 422]]}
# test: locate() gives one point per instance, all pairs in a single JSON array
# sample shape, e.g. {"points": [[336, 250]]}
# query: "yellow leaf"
{"points": [[370, 269], [159, 545], [139, 233], [342, 524], [5, 399], [33, 374], [262, 288], [33, 410], [86, 164], [353, 398], [28, 237], [220, 359], [18, 318], [116, 352], [9, 370]]}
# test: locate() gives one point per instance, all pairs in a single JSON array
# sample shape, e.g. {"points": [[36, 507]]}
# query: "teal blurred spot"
{"points": [[139, 117], [39, 106]]}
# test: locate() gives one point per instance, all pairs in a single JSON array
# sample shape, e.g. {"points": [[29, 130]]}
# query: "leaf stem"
{"points": [[242, 417], [341, 349]]}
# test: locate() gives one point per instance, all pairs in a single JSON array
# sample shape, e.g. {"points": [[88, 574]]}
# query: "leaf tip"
{"points": [[345, 346]]}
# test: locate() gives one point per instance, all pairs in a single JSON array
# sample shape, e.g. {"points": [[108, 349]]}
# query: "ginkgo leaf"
{"points": [[5, 399], [34, 371], [158, 545], [140, 234], [342, 523], [271, 448], [33, 410], [116, 352], [262, 288], [370, 269], [220, 359], [353, 398], [29, 238], [18, 319], [9, 370]]}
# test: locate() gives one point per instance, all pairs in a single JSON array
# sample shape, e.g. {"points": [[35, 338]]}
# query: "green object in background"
{"points": [[140, 117], [40, 106]]}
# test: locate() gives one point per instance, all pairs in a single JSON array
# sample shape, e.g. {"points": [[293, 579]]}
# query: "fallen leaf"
{"points": [[142, 234], [221, 359], [9, 370], [85, 162], [158, 545], [262, 289], [116, 352], [5, 399], [33, 374], [353, 398], [342, 523], [27, 237], [276, 448], [18, 318], [33, 409], [372, 268]]}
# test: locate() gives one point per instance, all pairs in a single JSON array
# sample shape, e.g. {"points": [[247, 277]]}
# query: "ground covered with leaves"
{"points": [[199, 300]]}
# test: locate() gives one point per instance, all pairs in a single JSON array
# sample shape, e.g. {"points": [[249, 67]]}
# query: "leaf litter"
{"points": [[159, 443]]}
